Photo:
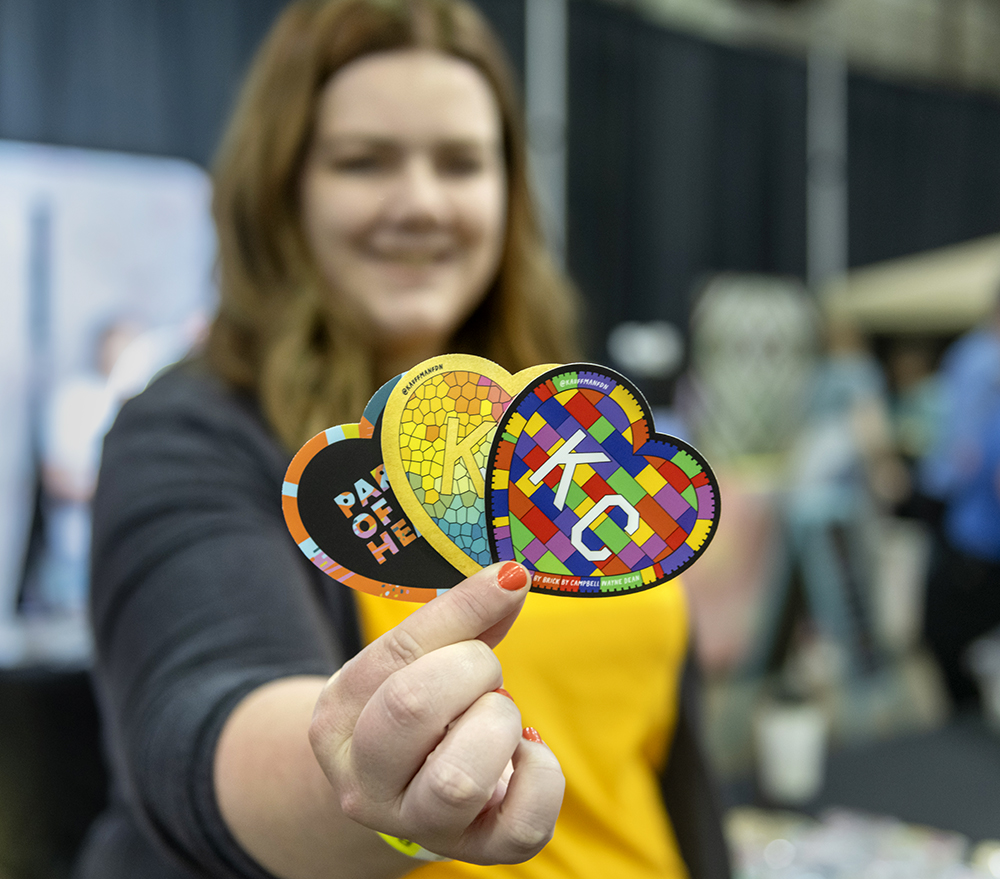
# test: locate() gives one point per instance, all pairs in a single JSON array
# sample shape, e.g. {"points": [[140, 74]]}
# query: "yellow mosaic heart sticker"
{"points": [[437, 430]]}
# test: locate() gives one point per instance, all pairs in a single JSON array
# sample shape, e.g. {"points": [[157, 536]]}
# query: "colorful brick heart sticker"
{"points": [[436, 435], [586, 496], [341, 511]]}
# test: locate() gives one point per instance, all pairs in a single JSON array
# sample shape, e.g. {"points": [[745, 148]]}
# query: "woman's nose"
{"points": [[419, 192]]}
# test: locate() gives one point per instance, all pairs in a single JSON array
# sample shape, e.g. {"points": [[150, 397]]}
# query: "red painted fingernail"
{"points": [[503, 692], [512, 576], [531, 734]]}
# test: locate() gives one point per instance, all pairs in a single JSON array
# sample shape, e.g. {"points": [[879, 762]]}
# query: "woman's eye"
{"points": [[361, 164], [460, 165]]}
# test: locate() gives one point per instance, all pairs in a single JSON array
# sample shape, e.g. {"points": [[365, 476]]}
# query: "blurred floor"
{"points": [[946, 778], [902, 697]]}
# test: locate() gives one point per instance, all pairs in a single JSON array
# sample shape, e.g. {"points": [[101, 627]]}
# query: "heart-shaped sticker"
{"points": [[436, 436], [341, 511], [584, 495]]}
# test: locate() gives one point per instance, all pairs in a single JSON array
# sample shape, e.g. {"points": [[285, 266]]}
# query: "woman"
{"points": [[372, 209]]}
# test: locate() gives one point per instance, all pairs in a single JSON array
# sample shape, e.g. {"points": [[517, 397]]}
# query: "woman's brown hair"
{"points": [[277, 332]]}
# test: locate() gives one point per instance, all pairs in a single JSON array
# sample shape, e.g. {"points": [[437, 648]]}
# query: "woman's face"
{"points": [[403, 195]]}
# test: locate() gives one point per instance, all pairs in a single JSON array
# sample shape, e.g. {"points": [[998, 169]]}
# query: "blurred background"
{"points": [[781, 214]]}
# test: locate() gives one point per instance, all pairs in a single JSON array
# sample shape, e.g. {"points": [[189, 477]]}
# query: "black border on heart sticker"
{"points": [[314, 480]]}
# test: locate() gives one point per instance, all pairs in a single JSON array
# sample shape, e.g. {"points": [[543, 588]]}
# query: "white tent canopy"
{"points": [[941, 291]]}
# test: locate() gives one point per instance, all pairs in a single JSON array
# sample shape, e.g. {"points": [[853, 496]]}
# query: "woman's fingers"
{"points": [[460, 775], [487, 602], [520, 826], [409, 714], [417, 743]]}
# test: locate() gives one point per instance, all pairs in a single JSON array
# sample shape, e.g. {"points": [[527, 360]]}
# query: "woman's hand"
{"points": [[417, 742]]}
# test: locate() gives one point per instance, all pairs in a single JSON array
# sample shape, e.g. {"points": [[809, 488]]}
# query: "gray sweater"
{"points": [[198, 597]]}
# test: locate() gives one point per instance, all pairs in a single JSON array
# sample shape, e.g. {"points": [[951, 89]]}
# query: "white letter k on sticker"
{"points": [[566, 457]]}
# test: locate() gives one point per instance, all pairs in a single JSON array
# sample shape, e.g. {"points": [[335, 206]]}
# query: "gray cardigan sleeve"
{"points": [[199, 596]]}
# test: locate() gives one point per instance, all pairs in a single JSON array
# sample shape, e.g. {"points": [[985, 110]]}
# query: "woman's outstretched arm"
{"points": [[409, 738]]}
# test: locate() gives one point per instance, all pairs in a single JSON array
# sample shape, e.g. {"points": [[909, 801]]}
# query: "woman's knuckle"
{"points": [[352, 803], [454, 786], [472, 606], [401, 647], [528, 837], [485, 659], [406, 702], [318, 733]]}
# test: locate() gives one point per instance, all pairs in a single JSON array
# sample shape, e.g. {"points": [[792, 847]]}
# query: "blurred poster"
{"points": [[105, 278]]}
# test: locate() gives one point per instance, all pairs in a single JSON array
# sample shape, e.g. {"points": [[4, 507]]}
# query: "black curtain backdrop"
{"points": [[685, 157], [688, 157], [147, 76]]}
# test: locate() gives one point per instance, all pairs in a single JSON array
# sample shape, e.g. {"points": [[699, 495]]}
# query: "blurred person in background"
{"points": [[962, 472], [261, 719], [844, 477], [78, 413], [915, 408]]}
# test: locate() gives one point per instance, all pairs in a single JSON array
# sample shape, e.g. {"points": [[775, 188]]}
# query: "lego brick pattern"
{"points": [[633, 510]]}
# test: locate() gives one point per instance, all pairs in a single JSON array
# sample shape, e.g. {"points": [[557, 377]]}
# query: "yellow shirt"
{"points": [[598, 678]]}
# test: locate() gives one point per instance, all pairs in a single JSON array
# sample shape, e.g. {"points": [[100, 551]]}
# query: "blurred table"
{"points": [[947, 778]]}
